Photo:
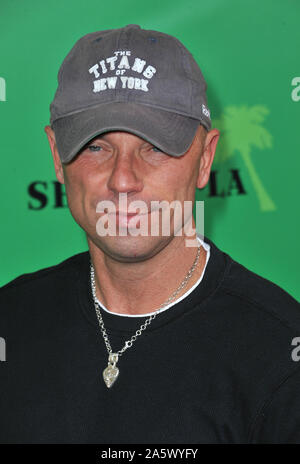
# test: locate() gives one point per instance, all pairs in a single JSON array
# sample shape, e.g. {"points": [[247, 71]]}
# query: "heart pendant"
{"points": [[110, 375]]}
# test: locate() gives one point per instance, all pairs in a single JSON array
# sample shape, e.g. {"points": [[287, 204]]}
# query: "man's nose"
{"points": [[125, 176]]}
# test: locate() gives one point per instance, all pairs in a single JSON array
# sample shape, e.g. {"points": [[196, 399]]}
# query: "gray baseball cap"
{"points": [[130, 79]]}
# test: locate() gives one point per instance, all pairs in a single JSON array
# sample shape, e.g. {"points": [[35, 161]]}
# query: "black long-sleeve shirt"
{"points": [[216, 367]]}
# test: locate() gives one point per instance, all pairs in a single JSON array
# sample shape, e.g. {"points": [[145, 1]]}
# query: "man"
{"points": [[150, 338]]}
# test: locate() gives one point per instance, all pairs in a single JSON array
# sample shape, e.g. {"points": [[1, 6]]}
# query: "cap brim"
{"points": [[170, 132]]}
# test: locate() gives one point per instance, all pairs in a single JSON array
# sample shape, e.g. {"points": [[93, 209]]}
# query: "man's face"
{"points": [[121, 162]]}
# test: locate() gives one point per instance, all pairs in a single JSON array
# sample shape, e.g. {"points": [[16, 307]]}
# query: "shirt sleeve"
{"points": [[278, 422]]}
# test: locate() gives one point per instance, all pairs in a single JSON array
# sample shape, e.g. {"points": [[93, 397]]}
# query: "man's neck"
{"points": [[142, 287]]}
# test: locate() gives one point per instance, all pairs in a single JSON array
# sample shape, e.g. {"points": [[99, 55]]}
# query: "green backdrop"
{"points": [[248, 52]]}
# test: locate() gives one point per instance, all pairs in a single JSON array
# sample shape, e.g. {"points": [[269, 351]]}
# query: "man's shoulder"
{"points": [[43, 277], [249, 289]]}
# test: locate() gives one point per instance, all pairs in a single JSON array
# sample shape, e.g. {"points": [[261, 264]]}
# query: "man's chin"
{"points": [[129, 248]]}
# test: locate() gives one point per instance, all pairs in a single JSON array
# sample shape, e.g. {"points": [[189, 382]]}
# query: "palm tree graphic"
{"points": [[241, 129]]}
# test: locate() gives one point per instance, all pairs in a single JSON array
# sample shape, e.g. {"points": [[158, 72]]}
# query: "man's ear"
{"points": [[57, 162], [207, 157]]}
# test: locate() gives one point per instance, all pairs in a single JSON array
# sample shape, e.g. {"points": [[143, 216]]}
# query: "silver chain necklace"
{"points": [[111, 372]]}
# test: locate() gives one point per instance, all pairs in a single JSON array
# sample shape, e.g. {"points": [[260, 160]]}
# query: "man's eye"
{"points": [[94, 147], [156, 149]]}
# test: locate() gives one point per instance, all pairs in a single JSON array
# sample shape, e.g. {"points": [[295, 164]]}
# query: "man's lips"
{"points": [[121, 213], [123, 218]]}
